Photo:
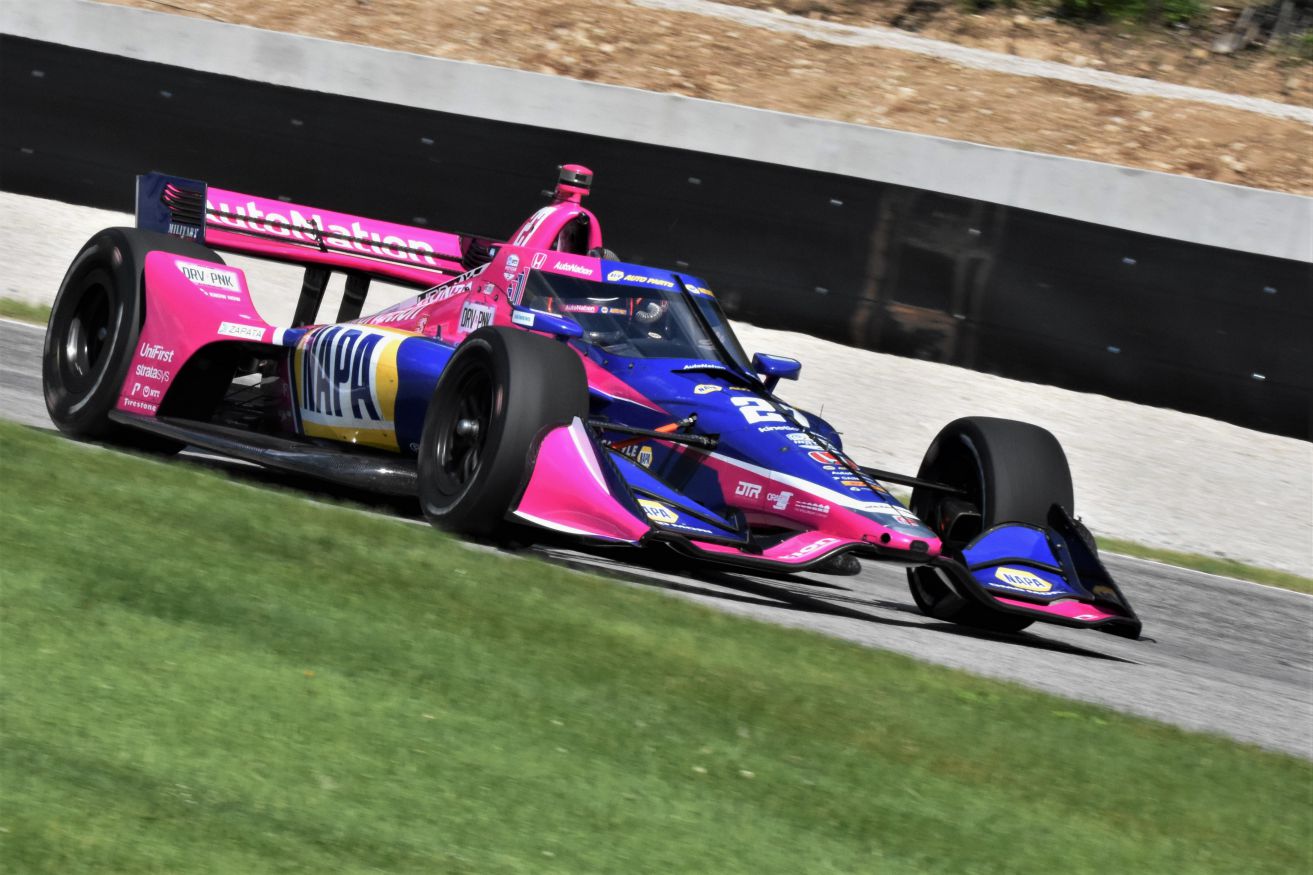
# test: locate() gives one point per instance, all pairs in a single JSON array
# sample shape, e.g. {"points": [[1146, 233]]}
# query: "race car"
{"points": [[540, 381]]}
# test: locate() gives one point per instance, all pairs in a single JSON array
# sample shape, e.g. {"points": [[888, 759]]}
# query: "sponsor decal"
{"points": [[687, 528], [457, 285], [208, 275], [619, 276], [520, 317], [400, 313], [346, 383], [812, 507], [154, 352], [640, 454], [512, 262], [475, 316], [248, 332], [747, 490], [515, 291], [571, 267], [804, 552], [779, 500], [824, 458], [150, 372], [1019, 578], [756, 410], [539, 259], [699, 290], [766, 428], [853, 482], [139, 405], [146, 393], [804, 440], [658, 512], [705, 388], [362, 236]]}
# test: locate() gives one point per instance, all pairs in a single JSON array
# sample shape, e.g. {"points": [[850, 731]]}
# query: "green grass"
{"points": [[23, 311], [1210, 564], [201, 677]]}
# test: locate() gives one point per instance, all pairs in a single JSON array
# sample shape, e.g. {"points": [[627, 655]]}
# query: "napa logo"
{"points": [[346, 380], [1020, 579], [658, 512]]}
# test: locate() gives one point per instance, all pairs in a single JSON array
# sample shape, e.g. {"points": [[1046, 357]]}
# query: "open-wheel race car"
{"points": [[540, 381]]}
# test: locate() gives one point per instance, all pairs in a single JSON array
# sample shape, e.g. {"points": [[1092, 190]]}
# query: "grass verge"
{"points": [[1210, 564], [204, 678], [11, 308]]}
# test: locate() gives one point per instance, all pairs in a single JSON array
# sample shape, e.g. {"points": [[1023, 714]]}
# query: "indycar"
{"points": [[540, 381]]}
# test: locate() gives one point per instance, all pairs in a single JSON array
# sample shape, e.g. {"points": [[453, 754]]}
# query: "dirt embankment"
{"points": [[614, 41]]}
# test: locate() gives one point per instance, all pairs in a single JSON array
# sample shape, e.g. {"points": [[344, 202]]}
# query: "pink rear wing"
{"points": [[276, 229]]}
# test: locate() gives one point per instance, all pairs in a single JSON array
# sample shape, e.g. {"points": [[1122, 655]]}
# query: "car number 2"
{"points": [[757, 410]]}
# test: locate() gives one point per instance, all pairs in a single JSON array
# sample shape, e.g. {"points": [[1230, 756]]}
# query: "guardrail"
{"points": [[1041, 293]]}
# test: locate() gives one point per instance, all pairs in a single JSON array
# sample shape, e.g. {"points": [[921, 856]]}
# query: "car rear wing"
{"points": [[323, 240]]}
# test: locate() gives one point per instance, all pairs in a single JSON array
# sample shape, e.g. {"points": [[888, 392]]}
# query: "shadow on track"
{"points": [[667, 570], [659, 569]]}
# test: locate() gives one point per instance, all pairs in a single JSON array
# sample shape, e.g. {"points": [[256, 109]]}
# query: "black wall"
{"points": [[1007, 291]]}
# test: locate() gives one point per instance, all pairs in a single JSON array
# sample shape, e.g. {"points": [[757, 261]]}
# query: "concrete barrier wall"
{"points": [[985, 285], [1181, 208]]}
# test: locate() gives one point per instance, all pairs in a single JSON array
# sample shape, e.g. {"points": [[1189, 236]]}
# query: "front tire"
{"points": [[92, 334], [1012, 472], [501, 390]]}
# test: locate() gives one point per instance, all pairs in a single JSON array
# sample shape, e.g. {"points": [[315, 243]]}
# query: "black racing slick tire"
{"points": [[1011, 472], [502, 389], [92, 334]]}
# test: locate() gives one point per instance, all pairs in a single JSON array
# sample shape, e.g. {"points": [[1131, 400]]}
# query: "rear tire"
{"points": [[501, 390], [92, 334], [1013, 472]]}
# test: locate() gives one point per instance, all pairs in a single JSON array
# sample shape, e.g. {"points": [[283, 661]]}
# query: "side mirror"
{"points": [[549, 323], [775, 368]]}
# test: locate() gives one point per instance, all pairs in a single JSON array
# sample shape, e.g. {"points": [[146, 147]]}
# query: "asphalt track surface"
{"points": [[1227, 656]]}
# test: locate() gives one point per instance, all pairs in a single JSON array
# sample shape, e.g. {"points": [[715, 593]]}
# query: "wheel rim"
{"points": [[462, 432], [84, 352], [927, 589]]}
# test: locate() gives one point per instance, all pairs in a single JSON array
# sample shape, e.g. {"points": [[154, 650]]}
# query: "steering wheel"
{"points": [[603, 338]]}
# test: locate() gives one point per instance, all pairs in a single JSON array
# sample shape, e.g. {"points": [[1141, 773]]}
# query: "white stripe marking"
{"points": [[29, 325], [561, 527]]}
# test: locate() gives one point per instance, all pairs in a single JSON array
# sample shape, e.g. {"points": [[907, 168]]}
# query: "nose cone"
{"points": [[923, 545]]}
